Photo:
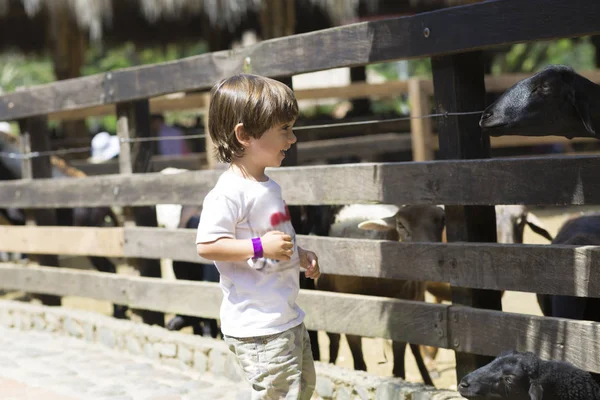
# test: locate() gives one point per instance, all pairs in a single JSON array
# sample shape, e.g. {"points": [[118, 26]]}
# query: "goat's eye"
{"points": [[541, 89]]}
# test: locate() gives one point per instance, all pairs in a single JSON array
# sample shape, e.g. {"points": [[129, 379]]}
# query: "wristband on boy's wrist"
{"points": [[258, 250]]}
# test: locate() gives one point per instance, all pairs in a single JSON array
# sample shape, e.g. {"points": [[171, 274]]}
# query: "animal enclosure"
{"points": [[465, 180]]}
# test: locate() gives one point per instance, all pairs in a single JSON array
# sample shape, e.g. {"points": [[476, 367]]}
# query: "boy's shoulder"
{"points": [[227, 186], [236, 188]]}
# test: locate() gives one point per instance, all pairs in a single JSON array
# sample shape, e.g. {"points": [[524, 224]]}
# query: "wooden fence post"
{"points": [[26, 170], [211, 158], [35, 138], [459, 87], [133, 120], [420, 128]]}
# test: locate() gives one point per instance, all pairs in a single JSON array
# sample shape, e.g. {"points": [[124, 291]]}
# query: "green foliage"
{"points": [[530, 57], [127, 55], [17, 70]]}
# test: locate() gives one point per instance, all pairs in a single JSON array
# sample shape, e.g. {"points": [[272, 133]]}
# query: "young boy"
{"points": [[245, 228]]}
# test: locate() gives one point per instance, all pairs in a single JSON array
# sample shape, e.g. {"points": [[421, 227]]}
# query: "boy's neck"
{"points": [[246, 171]]}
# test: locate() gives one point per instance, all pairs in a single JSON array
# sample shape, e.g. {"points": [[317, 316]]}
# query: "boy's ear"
{"points": [[241, 135]]}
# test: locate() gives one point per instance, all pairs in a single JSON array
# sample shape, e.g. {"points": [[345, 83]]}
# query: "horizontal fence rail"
{"points": [[456, 327], [478, 182], [446, 31], [182, 101], [549, 269]]}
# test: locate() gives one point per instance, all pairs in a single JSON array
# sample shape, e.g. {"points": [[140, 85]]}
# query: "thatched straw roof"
{"points": [[95, 14], [22, 22]]}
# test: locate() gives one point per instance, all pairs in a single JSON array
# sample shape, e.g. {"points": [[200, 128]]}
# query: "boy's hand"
{"points": [[277, 245], [310, 262]]}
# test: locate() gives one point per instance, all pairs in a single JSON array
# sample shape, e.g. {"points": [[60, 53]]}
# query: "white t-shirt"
{"points": [[259, 295]]}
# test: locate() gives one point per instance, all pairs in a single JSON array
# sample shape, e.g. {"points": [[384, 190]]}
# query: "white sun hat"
{"points": [[104, 147], [5, 127]]}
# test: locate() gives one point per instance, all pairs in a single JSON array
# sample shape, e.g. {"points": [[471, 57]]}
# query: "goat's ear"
{"points": [[537, 226], [581, 104], [383, 224], [536, 392]]}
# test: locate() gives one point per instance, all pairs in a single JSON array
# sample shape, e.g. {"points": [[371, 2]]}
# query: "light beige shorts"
{"points": [[277, 366]]}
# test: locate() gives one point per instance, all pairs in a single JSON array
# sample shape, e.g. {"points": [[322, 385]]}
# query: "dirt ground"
{"points": [[378, 352]]}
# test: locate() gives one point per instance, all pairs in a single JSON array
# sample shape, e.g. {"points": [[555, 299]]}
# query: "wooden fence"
{"points": [[385, 136], [476, 267]]}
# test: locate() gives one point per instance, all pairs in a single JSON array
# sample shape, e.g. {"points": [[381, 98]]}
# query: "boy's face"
{"points": [[269, 150]]}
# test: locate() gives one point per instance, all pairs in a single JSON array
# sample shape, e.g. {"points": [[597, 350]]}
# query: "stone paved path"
{"points": [[41, 365]]}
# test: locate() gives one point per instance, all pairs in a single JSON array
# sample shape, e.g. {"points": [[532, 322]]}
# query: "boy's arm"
{"points": [[226, 249], [276, 245], [310, 262]]}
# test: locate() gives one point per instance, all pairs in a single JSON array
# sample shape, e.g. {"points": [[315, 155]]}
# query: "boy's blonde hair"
{"points": [[255, 101]]}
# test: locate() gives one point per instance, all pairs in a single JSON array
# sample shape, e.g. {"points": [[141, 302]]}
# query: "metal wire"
{"points": [[391, 120], [158, 138], [60, 152]]}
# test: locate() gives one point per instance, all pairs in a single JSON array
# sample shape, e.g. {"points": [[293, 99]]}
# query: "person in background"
{"points": [[171, 147]]}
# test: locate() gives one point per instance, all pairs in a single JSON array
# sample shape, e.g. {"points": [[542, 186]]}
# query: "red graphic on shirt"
{"points": [[280, 217]]}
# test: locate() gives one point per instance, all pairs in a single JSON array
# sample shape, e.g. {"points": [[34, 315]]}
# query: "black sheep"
{"points": [[515, 375], [555, 101]]}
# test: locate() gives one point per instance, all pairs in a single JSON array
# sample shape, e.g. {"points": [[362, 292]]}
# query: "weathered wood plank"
{"points": [[491, 332], [553, 269], [354, 90], [193, 161], [334, 312], [550, 269], [184, 101], [410, 321], [178, 244], [515, 181], [62, 240], [110, 190], [473, 330], [155, 294], [450, 30], [172, 102]]}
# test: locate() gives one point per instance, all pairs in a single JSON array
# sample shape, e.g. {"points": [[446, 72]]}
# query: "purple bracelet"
{"points": [[258, 250]]}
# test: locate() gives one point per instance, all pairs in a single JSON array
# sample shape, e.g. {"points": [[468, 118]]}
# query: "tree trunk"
{"points": [[68, 44], [277, 18]]}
